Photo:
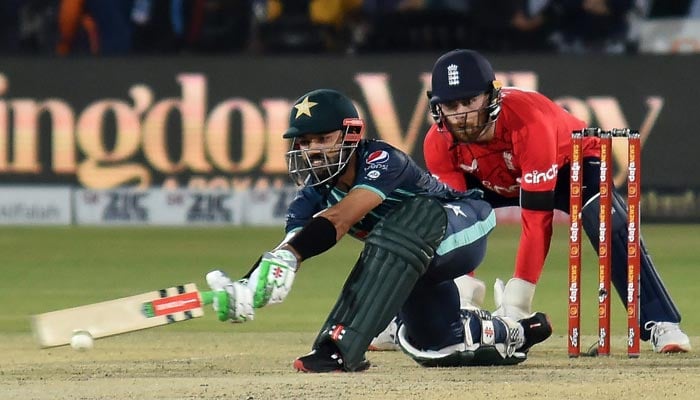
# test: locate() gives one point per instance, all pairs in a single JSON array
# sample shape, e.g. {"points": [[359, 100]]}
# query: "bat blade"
{"points": [[113, 317]]}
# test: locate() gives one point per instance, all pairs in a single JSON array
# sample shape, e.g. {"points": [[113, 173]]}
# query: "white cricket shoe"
{"points": [[387, 339], [667, 337]]}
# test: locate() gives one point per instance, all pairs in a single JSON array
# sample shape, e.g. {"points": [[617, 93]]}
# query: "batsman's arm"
{"points": [[271, 280], [286, 239]]}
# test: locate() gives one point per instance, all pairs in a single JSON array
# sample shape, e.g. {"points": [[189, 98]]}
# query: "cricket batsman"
{"points": [[418, 234]]}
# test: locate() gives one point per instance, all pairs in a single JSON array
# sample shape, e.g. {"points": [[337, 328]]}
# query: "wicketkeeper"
{"points": [[515, 146], [418, 236]]}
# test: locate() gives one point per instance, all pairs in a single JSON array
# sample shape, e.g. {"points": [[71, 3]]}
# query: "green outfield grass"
{"points": [[44, 269]]}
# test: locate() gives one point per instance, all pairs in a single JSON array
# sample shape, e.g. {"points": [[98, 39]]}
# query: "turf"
{"points": [[51, 268]]}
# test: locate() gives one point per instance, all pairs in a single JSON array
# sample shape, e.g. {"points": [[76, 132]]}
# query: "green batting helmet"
{"points": [[319, 111]]}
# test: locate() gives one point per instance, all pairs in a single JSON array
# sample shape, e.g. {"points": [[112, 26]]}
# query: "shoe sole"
{"points": [[299, 366], [388, 348], [674, 348], [668, 349]]}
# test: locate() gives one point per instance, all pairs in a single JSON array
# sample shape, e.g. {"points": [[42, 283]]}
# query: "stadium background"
{"points": [[89, 141], [215, 123]]}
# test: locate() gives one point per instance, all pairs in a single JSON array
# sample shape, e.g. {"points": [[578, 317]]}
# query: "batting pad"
{"points": [[396, 253]]}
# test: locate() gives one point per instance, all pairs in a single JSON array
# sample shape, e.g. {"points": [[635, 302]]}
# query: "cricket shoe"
{"points": [[325, 358], [386, 340], [667, 337], [536, 329]]}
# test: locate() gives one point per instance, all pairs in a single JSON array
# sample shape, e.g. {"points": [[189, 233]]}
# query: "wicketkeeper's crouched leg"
{"points": [[656, 303]]}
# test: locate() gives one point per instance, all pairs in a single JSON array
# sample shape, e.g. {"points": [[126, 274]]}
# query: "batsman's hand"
{"points": [[238, 304], [272, 280]]}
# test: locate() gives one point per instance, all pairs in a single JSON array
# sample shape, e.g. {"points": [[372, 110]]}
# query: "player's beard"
{"points": [[324, 164], [466, 131]]}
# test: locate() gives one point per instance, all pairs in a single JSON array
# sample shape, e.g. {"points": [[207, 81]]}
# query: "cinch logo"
{"points": [[378, 157], [536, 176]]}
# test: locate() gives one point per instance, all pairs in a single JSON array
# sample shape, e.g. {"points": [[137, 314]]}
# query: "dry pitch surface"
{"points": [[166, 364]]}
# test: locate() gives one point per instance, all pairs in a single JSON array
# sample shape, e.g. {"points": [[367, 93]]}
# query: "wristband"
{"points": [[317, 236]]}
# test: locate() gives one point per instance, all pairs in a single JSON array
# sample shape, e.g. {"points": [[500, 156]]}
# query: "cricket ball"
{"points": [[81, 340]]}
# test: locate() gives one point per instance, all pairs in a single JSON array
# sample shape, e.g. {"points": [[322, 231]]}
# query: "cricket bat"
{"points": [[128, 314]]}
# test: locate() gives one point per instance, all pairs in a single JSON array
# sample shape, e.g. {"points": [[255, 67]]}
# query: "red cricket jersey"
{"points": [[532, 141]]}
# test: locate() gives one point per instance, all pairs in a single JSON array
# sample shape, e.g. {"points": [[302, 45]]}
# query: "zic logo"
{"points": [[126, 207], [209, 208], [378, 157]]}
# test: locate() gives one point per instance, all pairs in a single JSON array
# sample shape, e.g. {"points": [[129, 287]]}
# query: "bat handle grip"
{"points": [[220, 297]]}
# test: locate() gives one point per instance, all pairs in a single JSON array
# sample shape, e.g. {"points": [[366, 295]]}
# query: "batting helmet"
{"points": [[320, 112], [463, 74]]}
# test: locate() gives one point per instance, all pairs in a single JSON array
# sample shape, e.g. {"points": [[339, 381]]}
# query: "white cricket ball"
{"points": [[81, 341]]}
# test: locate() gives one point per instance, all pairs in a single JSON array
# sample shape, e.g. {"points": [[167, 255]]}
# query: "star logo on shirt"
{"points": [[304, 108], [456, 209]]}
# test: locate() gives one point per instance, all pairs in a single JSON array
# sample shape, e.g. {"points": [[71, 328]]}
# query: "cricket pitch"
{"points": [[164, 364]]}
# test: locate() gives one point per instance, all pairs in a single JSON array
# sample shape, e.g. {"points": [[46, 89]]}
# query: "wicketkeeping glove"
{"points": [[272, 280]]}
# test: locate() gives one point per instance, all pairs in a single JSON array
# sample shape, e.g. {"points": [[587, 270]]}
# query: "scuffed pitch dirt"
{"points": [[164, 364]]}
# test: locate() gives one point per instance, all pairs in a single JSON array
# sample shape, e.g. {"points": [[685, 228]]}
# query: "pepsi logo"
{"points": [[378, 157]]}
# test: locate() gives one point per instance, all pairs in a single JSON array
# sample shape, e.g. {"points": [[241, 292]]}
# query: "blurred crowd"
{"points": [[118, 27]]}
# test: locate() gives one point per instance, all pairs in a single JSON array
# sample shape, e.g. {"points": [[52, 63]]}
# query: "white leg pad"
{"points": [[472, 292], [420, 354], [486, 351], [515, 299], [515, 336]]}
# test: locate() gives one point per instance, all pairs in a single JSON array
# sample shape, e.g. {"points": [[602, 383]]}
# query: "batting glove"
{"points": [[272, 280], [239, 304]]}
